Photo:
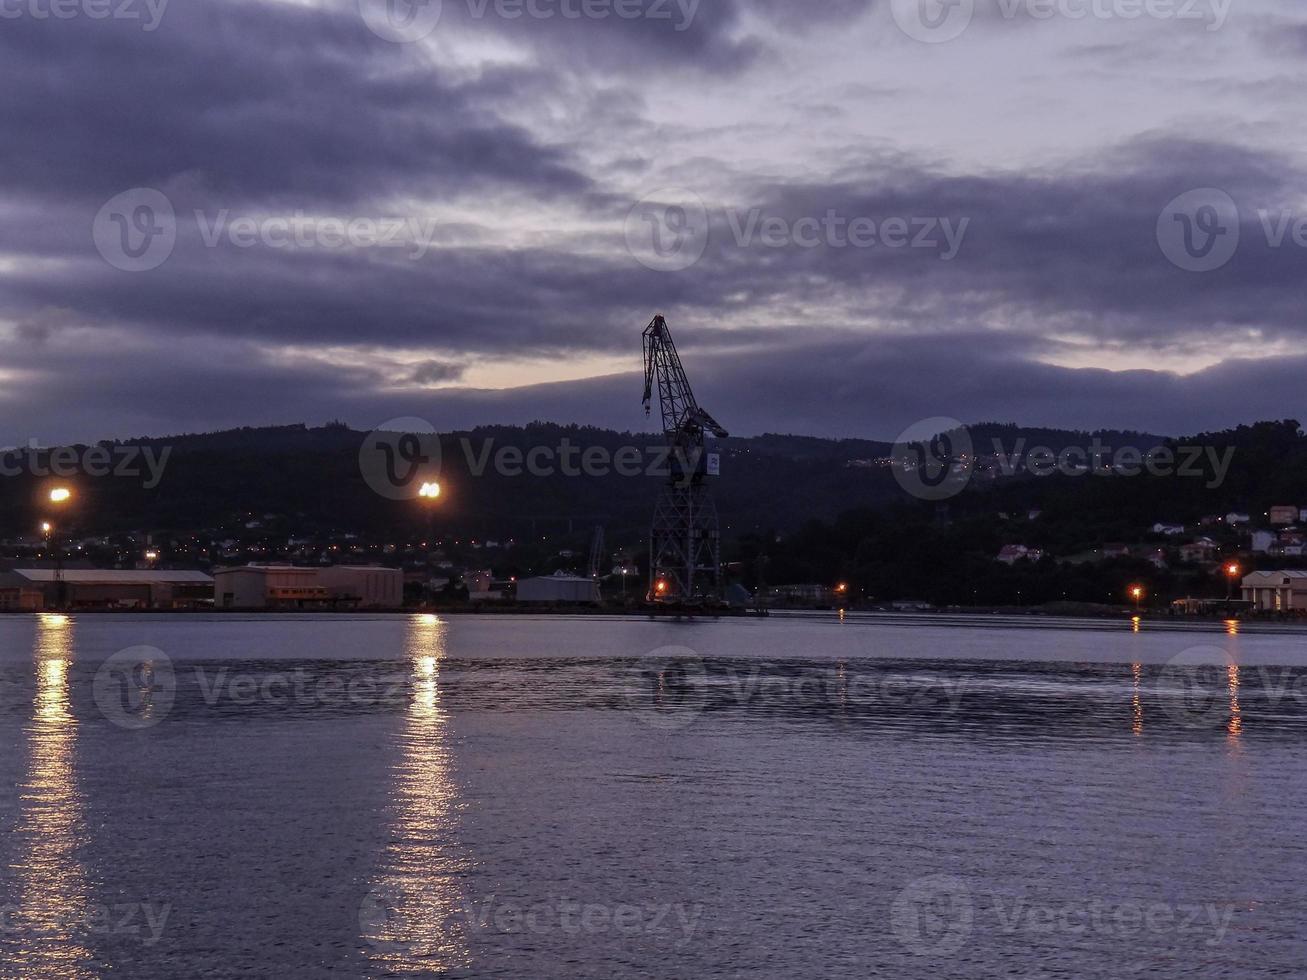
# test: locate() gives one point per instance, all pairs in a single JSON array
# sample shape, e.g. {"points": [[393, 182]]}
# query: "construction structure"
{"points": [[685, 564]]}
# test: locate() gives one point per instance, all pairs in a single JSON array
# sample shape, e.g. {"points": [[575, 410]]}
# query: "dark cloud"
{"points": [[433, 372], [234, 103], [239, 108]]}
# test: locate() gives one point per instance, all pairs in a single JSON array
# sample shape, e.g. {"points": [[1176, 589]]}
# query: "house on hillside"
{"points": [[1262, 541], [1283, 515], [1010, 554], [1199, 550]]}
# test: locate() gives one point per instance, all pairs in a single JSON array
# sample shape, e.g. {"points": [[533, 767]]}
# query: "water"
{"points": [[585, 797]]}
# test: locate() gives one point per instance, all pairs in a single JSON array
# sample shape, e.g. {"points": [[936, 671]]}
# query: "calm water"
{"points": [[555, 797]]}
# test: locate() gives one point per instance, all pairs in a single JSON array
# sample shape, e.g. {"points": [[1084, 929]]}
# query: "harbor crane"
{"points": [[685, 563]]}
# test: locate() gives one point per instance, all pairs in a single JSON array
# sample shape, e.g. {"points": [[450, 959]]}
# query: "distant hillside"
{"points": [[310, 479]]}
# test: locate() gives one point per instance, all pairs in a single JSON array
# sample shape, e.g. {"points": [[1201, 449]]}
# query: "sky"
{"points": [[855, 214]]}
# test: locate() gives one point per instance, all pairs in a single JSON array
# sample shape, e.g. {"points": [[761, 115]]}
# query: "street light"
{"points": [[1231, 573], [428, 494], [58, 495], [1137, 593]]}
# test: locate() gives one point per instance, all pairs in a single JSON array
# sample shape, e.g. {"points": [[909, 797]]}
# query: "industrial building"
{"points": [[1279, 591], [558, 588], [294, 587], [33, 589]]}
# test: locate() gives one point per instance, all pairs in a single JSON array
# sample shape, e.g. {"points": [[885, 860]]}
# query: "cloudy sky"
{"points": [[854, 213]]}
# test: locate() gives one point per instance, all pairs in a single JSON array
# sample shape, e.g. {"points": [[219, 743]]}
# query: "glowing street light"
{"points": [[429, 491], [1137, 593], [1232, 571], [58, 495]]}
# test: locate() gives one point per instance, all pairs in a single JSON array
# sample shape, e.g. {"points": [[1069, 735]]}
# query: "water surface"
{"points": [[872, 796]]}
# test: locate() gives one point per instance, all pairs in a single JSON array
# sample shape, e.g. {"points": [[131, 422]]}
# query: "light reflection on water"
{"points": [[410, 922], [52, 881], [1235, 724]]}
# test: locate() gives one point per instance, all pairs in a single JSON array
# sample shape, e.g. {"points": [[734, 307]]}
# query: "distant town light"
{"points": [[59, 494], [46, 527]]}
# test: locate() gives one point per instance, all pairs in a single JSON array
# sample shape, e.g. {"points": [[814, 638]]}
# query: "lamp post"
{"points": [[1231, 573], [1137, 593], [59, 496], [428, 494]]}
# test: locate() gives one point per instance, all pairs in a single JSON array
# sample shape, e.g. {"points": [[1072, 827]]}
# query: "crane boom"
{"points": [[662, 365]]}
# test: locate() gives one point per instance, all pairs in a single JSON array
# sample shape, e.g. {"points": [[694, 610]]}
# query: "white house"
{"points": [[1262, 541]]}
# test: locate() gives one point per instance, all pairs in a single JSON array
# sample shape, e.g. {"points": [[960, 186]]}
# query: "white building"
{"points": [[559, 587], [1279, 591]]}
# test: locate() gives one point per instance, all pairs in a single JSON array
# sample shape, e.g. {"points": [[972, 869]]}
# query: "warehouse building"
{"points": [[1280, 591], [558, 588], [293, 587], [32, 589]]}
